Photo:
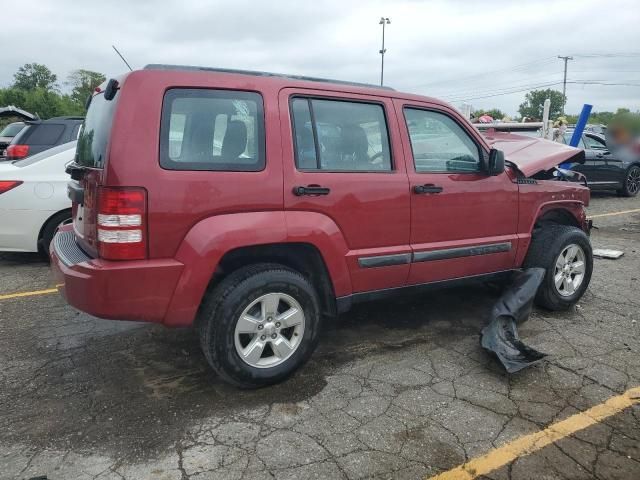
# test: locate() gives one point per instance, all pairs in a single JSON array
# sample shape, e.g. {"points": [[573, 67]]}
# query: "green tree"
{"points": [[35, 75], [494, 113], [44, 103], [533, 105], [82, 83]]}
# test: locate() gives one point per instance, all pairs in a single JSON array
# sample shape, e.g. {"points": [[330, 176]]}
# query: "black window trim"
{"points": [[481, 152], [309, 98], [165, 116]]}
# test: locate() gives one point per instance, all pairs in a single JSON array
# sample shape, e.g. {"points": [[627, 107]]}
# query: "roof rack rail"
{"points": [[158, 66]]}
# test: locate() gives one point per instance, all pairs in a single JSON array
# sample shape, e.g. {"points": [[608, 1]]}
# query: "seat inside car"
{"points": [[234, 142]]}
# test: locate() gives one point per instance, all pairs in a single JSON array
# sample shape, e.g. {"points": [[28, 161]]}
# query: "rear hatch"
{"points": [[87, 170]]}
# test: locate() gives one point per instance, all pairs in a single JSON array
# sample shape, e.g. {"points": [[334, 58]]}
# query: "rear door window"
{"points": [[46, 134], [337, 135], [218, 130]]}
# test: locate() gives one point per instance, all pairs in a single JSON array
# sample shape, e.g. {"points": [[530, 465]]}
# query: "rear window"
{"points": [[11, 130], [45, 134], [218, 130], [94, 134]]}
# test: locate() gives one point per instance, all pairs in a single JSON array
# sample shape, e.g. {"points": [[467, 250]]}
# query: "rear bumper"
{"points": [[128, 290]]}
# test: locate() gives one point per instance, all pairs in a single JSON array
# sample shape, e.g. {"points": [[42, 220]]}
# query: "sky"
{"points": [[486, 53]]}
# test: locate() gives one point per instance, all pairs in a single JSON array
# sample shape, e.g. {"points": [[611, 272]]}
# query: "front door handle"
{"points": [[310, 190], [427, 188]]}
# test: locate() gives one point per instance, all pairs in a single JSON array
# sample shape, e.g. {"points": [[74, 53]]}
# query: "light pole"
{"points": [[383, 21]]}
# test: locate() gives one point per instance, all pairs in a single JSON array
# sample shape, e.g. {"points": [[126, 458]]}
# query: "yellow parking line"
{"points": [[611, 214], [28, 294], [533, 442]]}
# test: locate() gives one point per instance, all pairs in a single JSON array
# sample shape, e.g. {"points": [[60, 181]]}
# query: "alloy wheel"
{"points": [[633, 180], [269, 330], [569, 270]]}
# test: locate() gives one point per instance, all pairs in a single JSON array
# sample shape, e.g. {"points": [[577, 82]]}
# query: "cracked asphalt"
{"points": [[398, 389]]}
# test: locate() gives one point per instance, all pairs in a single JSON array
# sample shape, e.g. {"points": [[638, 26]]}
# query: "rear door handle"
{"points": [[427, 188], [311, 190]]}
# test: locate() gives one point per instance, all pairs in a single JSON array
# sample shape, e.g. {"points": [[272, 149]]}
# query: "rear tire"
{"points": [[243, 325], [50, 228], [631, 182], [565, 253]]}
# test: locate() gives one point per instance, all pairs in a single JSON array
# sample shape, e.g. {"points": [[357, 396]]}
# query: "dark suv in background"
{"points": [[41, 135]]}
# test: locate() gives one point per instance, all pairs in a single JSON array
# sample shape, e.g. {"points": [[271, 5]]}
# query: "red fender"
{"points": [[210, 239]]}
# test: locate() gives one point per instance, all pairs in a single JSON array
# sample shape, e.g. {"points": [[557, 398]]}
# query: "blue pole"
{"points": [[582, 122]]}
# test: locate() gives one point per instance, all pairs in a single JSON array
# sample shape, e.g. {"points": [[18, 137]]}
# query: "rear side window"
{"points": [[94, 134], [340, 136], [218, 130], [46, 134]]}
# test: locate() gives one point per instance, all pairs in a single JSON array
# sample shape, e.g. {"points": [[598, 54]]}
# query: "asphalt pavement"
{"points": [[397, 389]]}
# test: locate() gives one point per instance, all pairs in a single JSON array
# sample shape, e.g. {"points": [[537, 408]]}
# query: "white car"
{"points": [[33, 199]]}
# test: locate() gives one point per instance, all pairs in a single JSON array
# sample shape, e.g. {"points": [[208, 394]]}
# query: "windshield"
{"points": [[11, 130], [94, 135], [46, 154]]}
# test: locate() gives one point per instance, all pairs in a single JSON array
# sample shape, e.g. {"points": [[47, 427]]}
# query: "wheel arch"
{"points": [[556, 214], [304, 258], [570, 213], [218, 245], [47, 222]]}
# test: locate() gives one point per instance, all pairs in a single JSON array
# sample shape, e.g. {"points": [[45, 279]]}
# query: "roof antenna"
{"points": [[120, 55]]}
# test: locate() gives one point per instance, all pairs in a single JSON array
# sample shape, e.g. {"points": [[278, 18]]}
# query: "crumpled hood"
{"points": [[532, 155]]}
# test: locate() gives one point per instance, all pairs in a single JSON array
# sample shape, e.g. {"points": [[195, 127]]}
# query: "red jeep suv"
{"points": [[251, 205]]}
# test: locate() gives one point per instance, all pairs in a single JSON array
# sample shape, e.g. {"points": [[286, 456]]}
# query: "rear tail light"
{"points": [[122, 223], [6, 185], [15, 152]]}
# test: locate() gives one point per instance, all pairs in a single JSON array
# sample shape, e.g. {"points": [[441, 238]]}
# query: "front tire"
{"points": [[565, 253], [259, 325], [631, 182]]}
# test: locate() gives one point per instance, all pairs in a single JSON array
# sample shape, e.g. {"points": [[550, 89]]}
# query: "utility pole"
{"points": [[383, 21], [564, 82]]}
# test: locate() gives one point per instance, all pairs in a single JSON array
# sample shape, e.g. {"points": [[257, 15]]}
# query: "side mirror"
{"points": [[495, 166]]}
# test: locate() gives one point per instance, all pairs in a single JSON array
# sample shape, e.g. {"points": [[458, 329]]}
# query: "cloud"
{"points": [[455, 49]]}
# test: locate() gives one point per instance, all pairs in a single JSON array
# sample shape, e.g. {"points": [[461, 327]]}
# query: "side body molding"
{"points": [[210, 239]]}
